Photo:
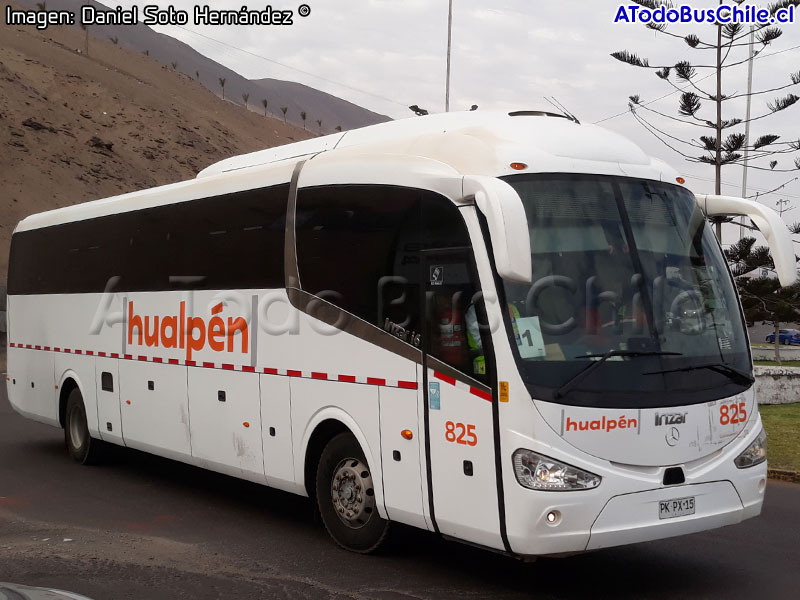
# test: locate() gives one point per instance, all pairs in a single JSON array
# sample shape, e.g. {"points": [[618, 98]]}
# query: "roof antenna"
{"points": [[562, 109]]}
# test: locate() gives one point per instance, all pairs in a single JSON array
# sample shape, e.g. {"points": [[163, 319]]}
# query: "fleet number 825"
{"points": [[730, 414], [460, 433]]}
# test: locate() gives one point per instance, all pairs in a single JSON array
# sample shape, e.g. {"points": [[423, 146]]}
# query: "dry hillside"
{"points": [[76, 128]]}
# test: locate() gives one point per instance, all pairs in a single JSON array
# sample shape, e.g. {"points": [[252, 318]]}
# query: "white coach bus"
{"points": [[511, 329]]}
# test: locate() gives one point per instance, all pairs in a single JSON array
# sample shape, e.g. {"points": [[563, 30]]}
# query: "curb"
{"points": [[784, 475]]}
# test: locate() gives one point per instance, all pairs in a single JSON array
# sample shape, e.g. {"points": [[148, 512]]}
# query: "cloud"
{"points": [[507, 55]]}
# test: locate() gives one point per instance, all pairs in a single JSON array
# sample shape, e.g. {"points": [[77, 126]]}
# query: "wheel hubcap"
{"points": [[77, 429], [352, 493]]}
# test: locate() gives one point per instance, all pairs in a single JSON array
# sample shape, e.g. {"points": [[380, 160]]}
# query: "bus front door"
{"points": [[459, 407]]}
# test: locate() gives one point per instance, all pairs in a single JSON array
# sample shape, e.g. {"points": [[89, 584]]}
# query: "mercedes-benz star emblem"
{"points": [[673, 435]]}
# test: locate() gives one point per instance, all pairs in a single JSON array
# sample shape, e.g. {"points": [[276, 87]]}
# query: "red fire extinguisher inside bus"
{"points": [[452, 339]]}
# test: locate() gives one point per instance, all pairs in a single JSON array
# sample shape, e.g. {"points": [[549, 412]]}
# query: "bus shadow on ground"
{"points": [[663, 569]]}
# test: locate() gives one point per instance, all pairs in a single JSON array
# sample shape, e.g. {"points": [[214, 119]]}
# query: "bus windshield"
{"points": [[631, 303]]}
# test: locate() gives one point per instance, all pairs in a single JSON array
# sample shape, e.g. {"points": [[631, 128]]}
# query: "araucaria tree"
{"points": [[762, 297], [724, 143], [222, 85], [265, 102]]}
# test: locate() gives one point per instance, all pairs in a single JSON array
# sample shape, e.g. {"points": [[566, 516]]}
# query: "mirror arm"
{"points": [[508, 225], [769, 223]]}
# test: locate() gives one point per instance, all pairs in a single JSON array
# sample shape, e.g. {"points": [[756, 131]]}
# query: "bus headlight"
{"points": [[539, 472], [754, 454]]}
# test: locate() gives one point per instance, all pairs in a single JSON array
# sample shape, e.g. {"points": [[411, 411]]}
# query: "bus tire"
{"points": [[81, 446], [346, 496]]}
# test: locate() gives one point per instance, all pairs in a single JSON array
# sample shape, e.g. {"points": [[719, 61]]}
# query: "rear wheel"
{"points": [[81, 446], [346, 496]]}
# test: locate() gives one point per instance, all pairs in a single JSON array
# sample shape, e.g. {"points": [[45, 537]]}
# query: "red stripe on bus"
{"points": [[480, 393], [409, 385], [445, 378]]}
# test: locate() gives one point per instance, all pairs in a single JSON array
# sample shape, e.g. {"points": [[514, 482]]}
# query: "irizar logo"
{"points": [[670, 419]]}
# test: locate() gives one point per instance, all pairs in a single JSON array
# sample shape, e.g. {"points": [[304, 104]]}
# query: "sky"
{"points": [[508, 54]]}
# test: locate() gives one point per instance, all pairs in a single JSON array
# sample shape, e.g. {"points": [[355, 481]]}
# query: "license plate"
{"points": [[679, 507]]}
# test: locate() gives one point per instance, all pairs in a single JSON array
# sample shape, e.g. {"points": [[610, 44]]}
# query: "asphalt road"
{"points": [[147, 528]]}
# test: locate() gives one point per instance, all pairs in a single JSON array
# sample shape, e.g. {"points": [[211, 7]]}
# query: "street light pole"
{"points": [[449, 40]]}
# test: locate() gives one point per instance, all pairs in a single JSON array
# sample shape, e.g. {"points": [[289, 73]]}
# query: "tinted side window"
{"points": [[442, 223], [453, 331], [70, 258], [227, 242], [357, 248], [223, 242]]}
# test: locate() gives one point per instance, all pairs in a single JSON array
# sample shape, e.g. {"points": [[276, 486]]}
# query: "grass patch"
{"points": [[764, 346], [782, 423], [772, 363]]}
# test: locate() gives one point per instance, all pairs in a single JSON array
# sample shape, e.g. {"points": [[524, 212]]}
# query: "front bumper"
{"points": [[633, 518], [624, 508]]}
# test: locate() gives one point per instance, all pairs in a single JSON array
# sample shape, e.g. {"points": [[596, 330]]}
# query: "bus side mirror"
{"points": [[508, 225], [769, 223]]}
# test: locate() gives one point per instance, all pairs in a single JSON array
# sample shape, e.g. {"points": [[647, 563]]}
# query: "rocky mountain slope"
{"points": [[296, 97], [75, 128]]}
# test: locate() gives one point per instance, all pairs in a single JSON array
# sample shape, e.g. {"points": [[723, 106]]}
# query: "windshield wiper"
{"points": [[731, 372], [580, 375]]}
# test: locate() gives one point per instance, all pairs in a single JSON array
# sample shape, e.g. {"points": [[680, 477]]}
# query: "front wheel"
{"points": [[346, 496], [81, 446]]}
